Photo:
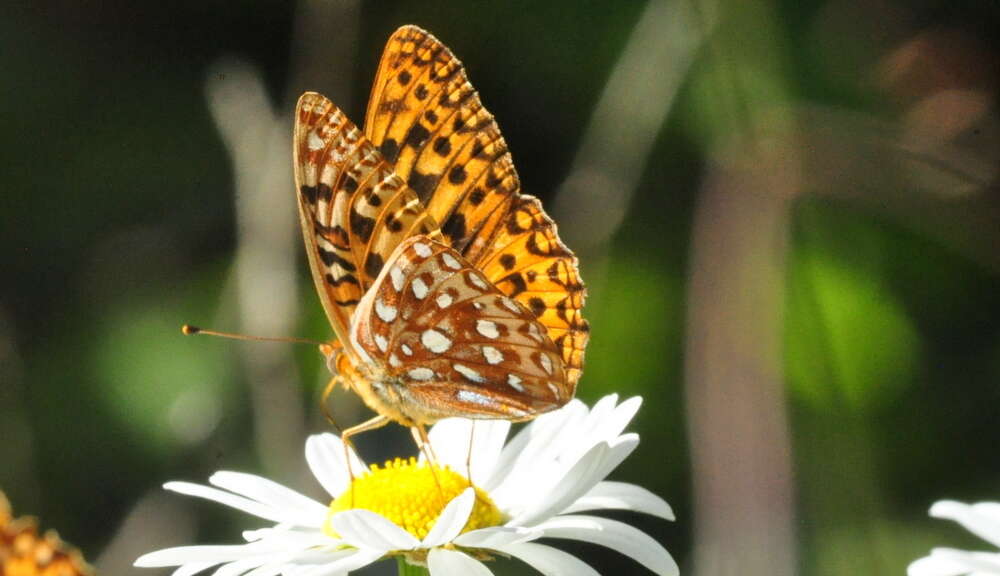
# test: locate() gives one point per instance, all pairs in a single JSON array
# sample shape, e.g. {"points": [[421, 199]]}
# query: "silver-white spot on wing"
{"points": [[477, 281], [422, 250], [555, 390], [394, 361], [398, 278], [385, 311], [422, 374], [515, 382], [419, 288], [474, 397], [492, 355], [510, 304], [487, 328], [450, 261], [315, 142], [435, 341], [443, 300], [381, 342], [469, 373], [406, 350], [546, 363]]}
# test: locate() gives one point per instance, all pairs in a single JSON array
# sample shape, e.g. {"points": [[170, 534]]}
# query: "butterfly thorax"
{"points": [[379, 390]]}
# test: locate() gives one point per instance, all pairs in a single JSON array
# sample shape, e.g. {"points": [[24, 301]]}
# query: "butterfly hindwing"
{"points": [[456, 343], [429, 121]]}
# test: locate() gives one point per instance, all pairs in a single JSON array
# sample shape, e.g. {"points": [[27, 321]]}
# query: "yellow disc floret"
{"points": [[412, 495]]}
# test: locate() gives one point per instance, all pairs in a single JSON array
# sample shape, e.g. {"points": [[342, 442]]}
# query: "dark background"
{"points": [[787, 213]]}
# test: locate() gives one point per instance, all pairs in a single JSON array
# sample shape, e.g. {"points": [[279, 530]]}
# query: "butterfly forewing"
{"points": [[435, 324], [428, 120], [354, 210]]}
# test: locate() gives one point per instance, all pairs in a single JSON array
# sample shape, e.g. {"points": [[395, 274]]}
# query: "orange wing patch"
{"points": [[428, 120]]}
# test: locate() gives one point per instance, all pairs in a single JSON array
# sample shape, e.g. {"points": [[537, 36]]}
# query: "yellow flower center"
{"points": [[412, 495]]}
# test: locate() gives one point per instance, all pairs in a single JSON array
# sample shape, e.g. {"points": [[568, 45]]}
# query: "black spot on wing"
{"points": [[454, 228], [456, 175], [417, 136], [422, 184], [373, 264], [318, 192], [442, 146], [537, 306], [346, 279], [362, 226], [330, 258], [390, 150]]}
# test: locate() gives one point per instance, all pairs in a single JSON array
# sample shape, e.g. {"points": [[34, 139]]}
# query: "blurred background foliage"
{"points": [[867, 130]]}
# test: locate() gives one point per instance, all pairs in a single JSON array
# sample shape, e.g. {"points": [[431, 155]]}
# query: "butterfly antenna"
{"points": [[189, 330]]}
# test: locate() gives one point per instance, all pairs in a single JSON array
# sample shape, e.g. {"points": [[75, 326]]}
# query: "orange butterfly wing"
{"points": [[353, 209], [428, 120]]}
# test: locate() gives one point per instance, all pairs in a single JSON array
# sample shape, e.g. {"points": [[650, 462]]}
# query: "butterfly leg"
{"points": [[345, 437], [424, 445], [325, 404]]}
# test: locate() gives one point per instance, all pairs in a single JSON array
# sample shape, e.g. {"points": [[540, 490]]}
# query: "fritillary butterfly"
{"points": [[24, 552], [449, 291]]}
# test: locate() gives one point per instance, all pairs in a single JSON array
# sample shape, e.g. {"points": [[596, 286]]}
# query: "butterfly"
{"points": [[24, 552], [449, 291]]}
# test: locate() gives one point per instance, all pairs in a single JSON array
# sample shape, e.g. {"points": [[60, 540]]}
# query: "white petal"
{"points": [[497, 536], [450, 439], [616, 535], [587, 472], [451, 520], [191, 569], [948, 562], [537, 442], [622, 496], [442, 562], [213, 555], [621, 417], [548, 560], [239, 502], [325, 455], [272, 494], [240, 567], [982, 519], [356, 560], [366, 529], [621, 448]]}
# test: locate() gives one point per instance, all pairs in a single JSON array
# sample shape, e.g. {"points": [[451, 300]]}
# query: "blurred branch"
{"points": [[940, 186], [259, 141], [591, 203], [734, 382], [740, 444]]}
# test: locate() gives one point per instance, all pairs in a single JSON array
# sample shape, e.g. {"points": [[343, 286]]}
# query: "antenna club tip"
{"points": [[188, 329]]}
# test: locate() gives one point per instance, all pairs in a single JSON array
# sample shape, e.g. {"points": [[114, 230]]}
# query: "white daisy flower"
{"points": [[532, 487], [983, 520]]}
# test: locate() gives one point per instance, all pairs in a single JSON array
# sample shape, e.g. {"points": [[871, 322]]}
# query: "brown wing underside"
{"points": [[440, 328], [354, 210], [428, 121]]}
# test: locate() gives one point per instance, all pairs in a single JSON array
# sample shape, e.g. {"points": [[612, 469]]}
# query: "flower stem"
{"points": [[406, 569]]}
